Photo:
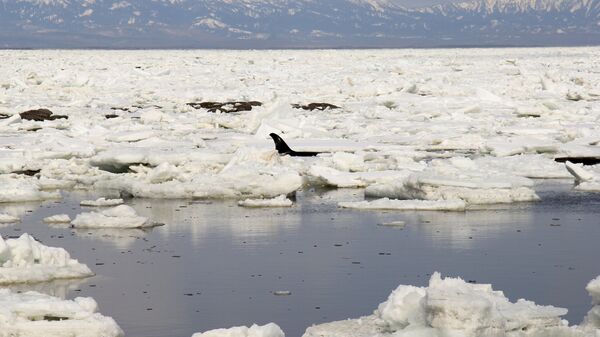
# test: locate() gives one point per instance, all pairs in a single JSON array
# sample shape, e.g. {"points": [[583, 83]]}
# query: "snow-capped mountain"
{"points": [[295, 23]]}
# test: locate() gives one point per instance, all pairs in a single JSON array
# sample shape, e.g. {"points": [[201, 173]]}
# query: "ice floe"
{"points": [[35, 314], [58, 219], [15, 188], [7, 218], [122, 216], [25, 260], [407, 205], [453, 307], [268, 330], [280, 201], [587, 178], [101, 202]]}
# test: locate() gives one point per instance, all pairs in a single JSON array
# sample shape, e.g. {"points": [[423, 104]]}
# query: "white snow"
{"points": [[407, 205], [25, 260], [268, 330], [6, 218], [14, 188], [280, 201], [58, 219], [101, 202], [35, 314], [592, 320], [587, 178], [122, 216], [410, 126], [453, 307]]}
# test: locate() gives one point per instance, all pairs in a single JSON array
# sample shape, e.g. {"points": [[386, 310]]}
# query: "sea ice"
{"points": [[102, 202], [14, 188], [280, 201], [6, 218], [268, 330], [458, 178], [35, 314], [57, 219], [25, 260], [407, 205], [587, 178], [453, 307], [122, 216]]}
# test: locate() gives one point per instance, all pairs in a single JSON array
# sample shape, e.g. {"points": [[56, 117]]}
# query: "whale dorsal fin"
{"points": [[280, 144]]}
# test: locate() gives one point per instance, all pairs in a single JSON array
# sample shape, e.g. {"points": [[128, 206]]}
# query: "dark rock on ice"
{"points": [[41, 115], [225, 107], [315, 106]]}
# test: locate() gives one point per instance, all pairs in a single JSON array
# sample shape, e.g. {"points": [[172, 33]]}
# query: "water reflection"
{"points": [[200, 219], [56, 288], [120, 238]]}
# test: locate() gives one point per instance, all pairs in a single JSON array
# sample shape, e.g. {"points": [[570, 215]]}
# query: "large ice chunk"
{"points": [[122, 216], [452, 307], [14, 188], [268, 330], [35, 314], [26, 260]]}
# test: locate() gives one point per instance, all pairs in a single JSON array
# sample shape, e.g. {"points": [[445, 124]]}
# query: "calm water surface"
{"points": [[217, 265]]}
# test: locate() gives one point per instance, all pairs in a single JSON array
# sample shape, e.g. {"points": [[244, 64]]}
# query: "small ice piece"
{"points": [[280, 201], [268, 330], [121, 216], [35, 314], [6, 218], [398, 223], [407, 205], [25, 260], [60, 218], [102, 202], [282, 293]]}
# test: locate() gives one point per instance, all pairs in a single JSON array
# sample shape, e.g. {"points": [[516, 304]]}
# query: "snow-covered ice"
{"points": [[14, 188], [7, 218], [122, 216], [407, 205], [453, 307], [280, 201], [101, 202], [410, 126], [587, 178], [268, 330], [25, 260], [34, 314], [58, 219]]}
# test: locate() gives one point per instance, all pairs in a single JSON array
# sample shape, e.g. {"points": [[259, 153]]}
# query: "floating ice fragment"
{"points": [[121, 216], [269, 330], [407, 205], [453, 307], [101, 202], [6, 218], [35, 314], [16, 188], [25, 260], [56, 219], [280, 201]]}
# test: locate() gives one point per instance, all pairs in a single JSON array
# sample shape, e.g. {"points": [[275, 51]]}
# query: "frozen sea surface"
{"points": [[215, 264], [479, 128]]}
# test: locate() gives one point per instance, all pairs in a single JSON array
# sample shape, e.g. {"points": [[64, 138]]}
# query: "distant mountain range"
{"points": [[295, 23]]}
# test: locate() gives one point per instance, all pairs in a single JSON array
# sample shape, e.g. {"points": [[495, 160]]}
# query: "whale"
{"points": [[283, 149]]}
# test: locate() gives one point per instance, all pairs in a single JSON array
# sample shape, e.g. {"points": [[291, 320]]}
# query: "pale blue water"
{"points": [[217, 265]]}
